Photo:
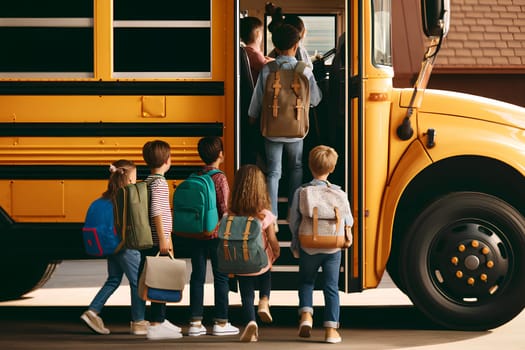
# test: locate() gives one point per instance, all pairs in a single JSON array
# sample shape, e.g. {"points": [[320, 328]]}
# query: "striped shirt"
{"points": [[160, 205]]}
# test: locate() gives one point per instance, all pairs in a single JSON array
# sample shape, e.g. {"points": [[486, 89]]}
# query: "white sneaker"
{"points": [[172, 326], [196, 329], [227, 329], [162, 331], [94, 322]]}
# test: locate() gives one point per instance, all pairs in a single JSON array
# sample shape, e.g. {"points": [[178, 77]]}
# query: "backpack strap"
{"points": [[149, 180], [116, 218], [300, 66], [245, 253], [276, 89], [274, 69], [315, 224], [227, 233], [307, 184], [337, 219], [213, 172], [124, 223], [296, 88], [274, 66]]}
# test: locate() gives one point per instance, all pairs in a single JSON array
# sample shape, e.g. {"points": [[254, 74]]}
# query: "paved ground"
{"points": [[75, 282], [379, 319]]}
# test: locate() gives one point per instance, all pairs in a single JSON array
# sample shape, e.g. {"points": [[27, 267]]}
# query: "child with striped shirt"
{"points": [[157, 156]]}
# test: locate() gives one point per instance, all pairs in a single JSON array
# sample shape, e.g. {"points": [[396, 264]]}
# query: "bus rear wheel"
{"points": [[463, 261], [21, 276]]}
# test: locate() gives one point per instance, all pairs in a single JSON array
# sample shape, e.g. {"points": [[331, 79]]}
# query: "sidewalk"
{"points": [[74, 283]]}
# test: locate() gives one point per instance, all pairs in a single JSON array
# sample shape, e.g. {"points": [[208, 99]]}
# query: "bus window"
{"points": [[57, 39], [320, 34], [382, 33], [158, 39]]}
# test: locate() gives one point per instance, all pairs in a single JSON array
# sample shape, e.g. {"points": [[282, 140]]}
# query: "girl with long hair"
{"points": [[125, 261], [250, 198]]}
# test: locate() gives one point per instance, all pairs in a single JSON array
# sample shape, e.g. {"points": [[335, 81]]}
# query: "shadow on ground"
{"points": [[384, 317], [374, 328]]}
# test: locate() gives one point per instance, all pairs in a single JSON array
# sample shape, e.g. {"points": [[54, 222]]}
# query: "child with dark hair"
{"points": [[276, 13], [211, 152], [286, 40], [278, 18], [286, 37], [252, 35], [158, 158], [210, 149], [125, 262], [251, 32]]}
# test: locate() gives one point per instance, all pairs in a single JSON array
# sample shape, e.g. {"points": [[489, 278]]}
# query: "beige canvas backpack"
{"points": [[286, 102], [323, 210]]}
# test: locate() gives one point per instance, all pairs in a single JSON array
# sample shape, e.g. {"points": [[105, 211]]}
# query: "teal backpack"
{"points": [[195, 206], [241, 249]]}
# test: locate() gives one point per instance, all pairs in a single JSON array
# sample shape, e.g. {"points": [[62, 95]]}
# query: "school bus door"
{"points": [[350, 147], [368, 92]]}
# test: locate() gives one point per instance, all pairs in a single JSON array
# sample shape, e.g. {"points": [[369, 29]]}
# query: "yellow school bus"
{"points": [[435, 178]]}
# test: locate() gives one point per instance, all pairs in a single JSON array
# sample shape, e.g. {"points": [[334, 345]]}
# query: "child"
{"points": [[211, 152], [286, 40], [250, 198], [277, 19], [322, 161], [251, 33], [157, 156], [126, 261]]}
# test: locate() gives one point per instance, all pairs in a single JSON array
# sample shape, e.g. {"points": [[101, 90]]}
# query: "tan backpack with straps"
{"points": [[286, 102], [323, 210]]}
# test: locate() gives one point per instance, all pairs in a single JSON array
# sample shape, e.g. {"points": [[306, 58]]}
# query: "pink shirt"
{"points": [[257, 61]]}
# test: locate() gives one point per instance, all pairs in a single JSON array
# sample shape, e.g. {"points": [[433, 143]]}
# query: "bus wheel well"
{"points": [[24, 275], [466, 173]]}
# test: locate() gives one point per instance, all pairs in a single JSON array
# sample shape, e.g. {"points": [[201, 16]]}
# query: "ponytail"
{"points": [[119, 177]]}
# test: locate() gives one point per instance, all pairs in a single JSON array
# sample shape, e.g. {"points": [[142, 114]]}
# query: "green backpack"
{"points": [[131, 209], [241, 249]]}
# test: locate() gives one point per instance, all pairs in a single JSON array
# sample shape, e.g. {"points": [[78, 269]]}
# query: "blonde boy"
{"points": [[322, 160]]}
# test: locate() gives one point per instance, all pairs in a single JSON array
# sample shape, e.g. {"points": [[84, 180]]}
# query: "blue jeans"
{"points": [[247, 286], [126, 262], [201, 250], [157, 310], [294, 157], [308, 267]]}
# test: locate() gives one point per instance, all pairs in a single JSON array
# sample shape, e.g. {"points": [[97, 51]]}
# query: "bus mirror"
{"points": [[436, 17]]}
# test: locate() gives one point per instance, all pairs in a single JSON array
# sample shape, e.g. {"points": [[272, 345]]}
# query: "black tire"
{"points": [[24, 275], [484, 288]]}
